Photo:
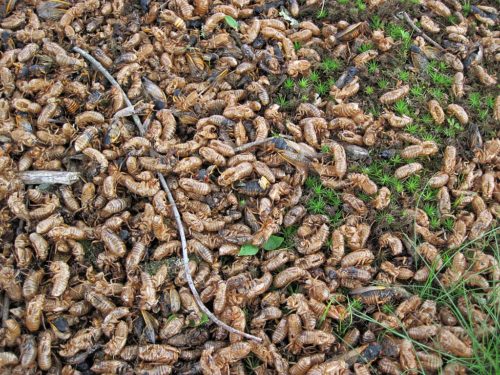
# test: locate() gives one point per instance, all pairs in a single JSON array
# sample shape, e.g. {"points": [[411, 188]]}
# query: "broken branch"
{"points": [[246, 146], [49, 177], [96, 64], [415, 28]]}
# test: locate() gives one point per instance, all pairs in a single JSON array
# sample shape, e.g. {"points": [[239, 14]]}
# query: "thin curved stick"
{"points": [[189, 278], [96, 64], [177, 216], [415, 28], [246, 146]]}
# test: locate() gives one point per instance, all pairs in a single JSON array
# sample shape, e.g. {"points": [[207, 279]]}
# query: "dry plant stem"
{"points": [[5, 308], [111, 80], [189, 279], [408, 20], [175, 210], [246, 146], [49, 177]]}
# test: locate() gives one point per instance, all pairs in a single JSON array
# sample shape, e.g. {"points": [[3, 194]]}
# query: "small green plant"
{"points": [[361, 5], [297, 45], [376, 23], [365, 47], [442, 66], [369, 90], [282, 101], [251, 363], [453, 19], [343, 2], [466, 8], [412, 129], [332, 197], [321, 14], [483, 114], [385, 179], [490, 102], [372, 67], [382, 84], [399, 33], [203, 320], [434, 222], [336, 219], [330, 82], [316, 205], [325, 149], [427, 119], [303, 83], [417, 91], [374, 110], [289, 235], [304, 98], [289, 84], [311, 182], [364, 197], [404, 76], [441, 79], [430, 210], [396, 160], [430, 137], [322, 88], [448, 224], [401, 107], [453, 128], [398, 186], [389, 219], [314, 76], [436, 93], [330, 65], [413, 184], [429, 194], [388, 308]]}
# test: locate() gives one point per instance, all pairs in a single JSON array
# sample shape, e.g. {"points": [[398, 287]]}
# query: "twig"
{"points": [[246, 146], [408, 20], [49, 177], [5, 308], [189, 279], [177, 215], [111, 80]]}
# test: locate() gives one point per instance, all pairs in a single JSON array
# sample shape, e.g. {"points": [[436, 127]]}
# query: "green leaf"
{"points": [[204, 320], [248, 250], [273, 243], [231, 22]]}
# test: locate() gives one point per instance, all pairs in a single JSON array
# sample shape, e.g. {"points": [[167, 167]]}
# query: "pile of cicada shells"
{"points": [[91, 271]]}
